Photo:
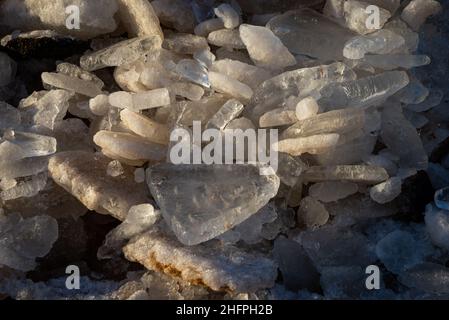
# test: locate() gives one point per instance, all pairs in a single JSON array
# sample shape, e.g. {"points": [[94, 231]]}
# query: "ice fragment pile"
{"points": [[91, 142]]}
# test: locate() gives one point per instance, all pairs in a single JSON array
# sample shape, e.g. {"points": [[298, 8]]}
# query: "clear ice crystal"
{"points": [[200, 202], [386, 191], [121, 53], [379, 42], [265, 48], [139, 219], [310, 33], [363, 92], [193, 71]]}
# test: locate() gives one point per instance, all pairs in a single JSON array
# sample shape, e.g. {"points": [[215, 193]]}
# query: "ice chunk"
{"points": [[386, 191], [129, 146], [97, 17], [100, 105], [26, 145], [205, 57], [139, 18], [332, 190], [206, 27], [360, 207], [47, 110], [200, 202], [278, 117], [62, 81], [230, 110], [121, 53], [23, 168], [145, 127], [300, 82], [265, 48], [402, 139], [442, 198], [290, 168], [193, 71], [417, 11], [382, 161], [355, 16], [379, 42], [400, 250], [312, 213], [139, 219], [363, 92], [27, 188], [140, 101], [415, 92], [187, 90], [250, 230], [175, 13], [308, 32], [336, 121], [83, 174], [201, 110], [213, 266], [184, 43], [433, 99], [394, 61], [348, 151], [351, 173], [332, 246], [243, 72], [230, 18], [229, 86], [437, 226], [240, 123], [114, 169], [74, 71], [315, 144], [229, 39], [24, 240], [306, 108], [411, 38]]}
